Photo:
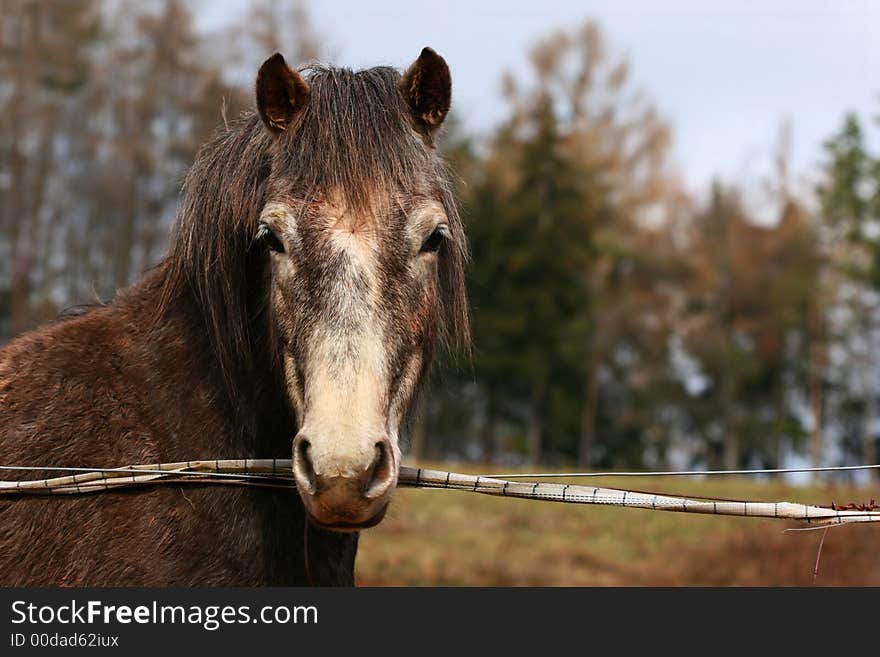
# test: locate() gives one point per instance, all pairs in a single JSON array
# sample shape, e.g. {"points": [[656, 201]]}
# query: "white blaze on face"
{"points": [[344, 411], [345, 408]]}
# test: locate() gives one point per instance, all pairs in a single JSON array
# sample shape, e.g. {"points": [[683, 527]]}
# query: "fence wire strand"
{"points": [[278, 473]]}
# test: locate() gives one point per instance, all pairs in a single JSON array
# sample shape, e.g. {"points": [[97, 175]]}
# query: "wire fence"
{"points": [[278, 473]]}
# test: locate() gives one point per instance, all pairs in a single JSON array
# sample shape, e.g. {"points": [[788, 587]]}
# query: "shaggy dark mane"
{"points": [[354, 138]]}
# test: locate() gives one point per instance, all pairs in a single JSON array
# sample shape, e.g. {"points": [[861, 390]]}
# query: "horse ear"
{"points": [[281, 93], [427, 88]]}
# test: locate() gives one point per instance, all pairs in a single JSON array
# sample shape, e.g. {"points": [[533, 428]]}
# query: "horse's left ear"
{"points": [[427, 89], [281, 93]]}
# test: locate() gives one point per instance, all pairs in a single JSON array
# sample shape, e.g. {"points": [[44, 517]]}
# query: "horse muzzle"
{"points": [[344, 499]]}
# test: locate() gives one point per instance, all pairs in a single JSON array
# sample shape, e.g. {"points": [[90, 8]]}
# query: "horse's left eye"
{"points": [[435, 240], [270, 239]]}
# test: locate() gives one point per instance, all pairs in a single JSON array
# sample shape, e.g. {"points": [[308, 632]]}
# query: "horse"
{"points": [[315, 266]]}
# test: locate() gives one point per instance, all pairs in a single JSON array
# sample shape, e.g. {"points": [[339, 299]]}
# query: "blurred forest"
{"points": [[619, 319]]}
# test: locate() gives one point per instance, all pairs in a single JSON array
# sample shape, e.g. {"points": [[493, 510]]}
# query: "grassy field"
{"points": [[437, 537]]}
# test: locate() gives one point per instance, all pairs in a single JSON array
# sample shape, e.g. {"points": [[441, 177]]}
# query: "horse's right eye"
{"points": [[270, 239], [435, 239]]}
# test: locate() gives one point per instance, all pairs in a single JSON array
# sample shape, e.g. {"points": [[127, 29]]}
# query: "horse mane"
{"points": [[353, 137]]}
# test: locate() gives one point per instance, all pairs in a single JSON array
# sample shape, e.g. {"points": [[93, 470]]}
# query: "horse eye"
{"points": [[270, 239], [435, 240]]}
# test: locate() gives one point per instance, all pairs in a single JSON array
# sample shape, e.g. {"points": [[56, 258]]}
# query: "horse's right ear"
{"points": [[281, 93], [427, 89]]}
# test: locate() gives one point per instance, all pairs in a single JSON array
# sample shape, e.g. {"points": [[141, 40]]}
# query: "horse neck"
{"points": [[250, 418]]}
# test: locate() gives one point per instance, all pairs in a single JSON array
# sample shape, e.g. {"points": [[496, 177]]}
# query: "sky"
{"points": [[724, 74]]}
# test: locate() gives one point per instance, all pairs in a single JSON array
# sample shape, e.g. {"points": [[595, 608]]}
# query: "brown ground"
{"points": [[436, 537]]}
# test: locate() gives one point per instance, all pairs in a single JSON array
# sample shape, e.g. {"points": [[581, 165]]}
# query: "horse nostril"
{"points": [[302, 465], [381, 470]]}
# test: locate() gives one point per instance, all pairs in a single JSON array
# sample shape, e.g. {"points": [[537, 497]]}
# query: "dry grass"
{"points": [[436, 537]]}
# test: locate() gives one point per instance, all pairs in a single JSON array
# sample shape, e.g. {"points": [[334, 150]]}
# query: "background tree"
{"points": [[849, 197]]}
